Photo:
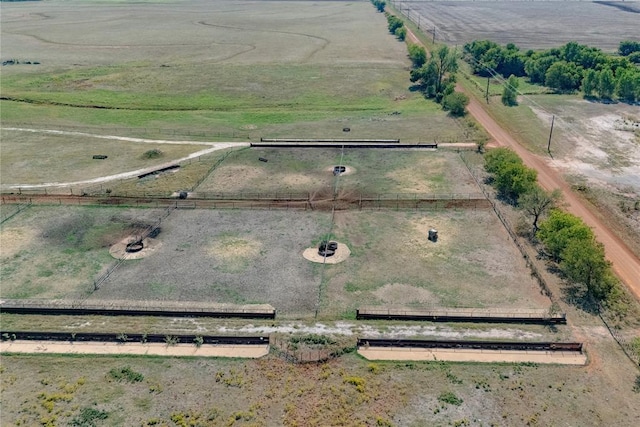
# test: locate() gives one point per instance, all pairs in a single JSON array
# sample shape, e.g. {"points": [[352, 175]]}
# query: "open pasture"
{"points": [[370, 171], [530, 24], [215, 66]]}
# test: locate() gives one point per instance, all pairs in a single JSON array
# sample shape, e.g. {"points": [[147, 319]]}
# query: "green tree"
{"points": [[513, 180], [606, 83], [417, 55], [393, 23], [510, 91], [560, 229], [589, 82], [537, 202], [379, 4], [495, 159], [583, 262], [437, 75], [627, 85], [401, 33], [563, 76], [456, 103], [627, 47]]}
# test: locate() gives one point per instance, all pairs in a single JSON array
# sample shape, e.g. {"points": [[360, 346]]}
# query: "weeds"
{"points": [[88, 417], [450, 398], [126, 374]]}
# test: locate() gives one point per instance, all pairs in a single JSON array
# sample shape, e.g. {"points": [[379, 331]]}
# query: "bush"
{"points": [[126, 374], [88, 417], [456, 103], [153, 154], [450, 398]]}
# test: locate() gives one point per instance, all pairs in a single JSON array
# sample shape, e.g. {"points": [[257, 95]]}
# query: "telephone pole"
{"points": [[553, 119]]}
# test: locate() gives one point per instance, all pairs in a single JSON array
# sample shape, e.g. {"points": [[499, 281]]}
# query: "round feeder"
{"points": [[433, 235], [327, 248], [133, 247], [337, 170]]}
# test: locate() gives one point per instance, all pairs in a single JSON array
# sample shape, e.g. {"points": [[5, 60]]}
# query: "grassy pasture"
{"points": [[32, 158], [530, 25], [215, 66], [271, 391], [370, 171]]}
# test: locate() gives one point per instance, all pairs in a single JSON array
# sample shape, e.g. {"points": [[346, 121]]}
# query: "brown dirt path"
{"points": [[625, 263]]}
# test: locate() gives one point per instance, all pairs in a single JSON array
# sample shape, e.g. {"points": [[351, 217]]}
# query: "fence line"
{"points": [[510, 230]]}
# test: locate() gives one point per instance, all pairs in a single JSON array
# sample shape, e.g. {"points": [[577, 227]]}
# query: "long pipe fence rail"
{"points": [[343, 145], [472, 345], [465, 315], [124, 338], [266, 201], [334, 140], [137, 308]]}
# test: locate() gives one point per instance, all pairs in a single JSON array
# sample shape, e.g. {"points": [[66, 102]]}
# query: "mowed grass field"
{"points": [[532, 24], [296, 69]]}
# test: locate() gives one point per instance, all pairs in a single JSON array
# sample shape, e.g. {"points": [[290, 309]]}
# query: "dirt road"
{"points": [[625, 264]]}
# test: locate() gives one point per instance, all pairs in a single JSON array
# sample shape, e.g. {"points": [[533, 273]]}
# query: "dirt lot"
{"points": [[530, 25], [256, 256]]}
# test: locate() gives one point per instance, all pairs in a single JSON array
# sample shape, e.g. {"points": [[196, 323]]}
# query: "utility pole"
{"points": [[487, 93], [434, 34], [553, 119]]}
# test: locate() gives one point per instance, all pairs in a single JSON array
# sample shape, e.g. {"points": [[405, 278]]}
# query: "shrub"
{"points": [[456, 103], [126, 374], [153, 154], [450, 398], [88, 417]]}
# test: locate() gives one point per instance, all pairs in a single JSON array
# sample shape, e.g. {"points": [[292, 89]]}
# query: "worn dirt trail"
{"points": [[625, 264]]}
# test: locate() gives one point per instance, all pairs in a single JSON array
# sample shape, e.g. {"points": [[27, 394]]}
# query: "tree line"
{"points": [[566, 69], [567, 240], [434, 73]]}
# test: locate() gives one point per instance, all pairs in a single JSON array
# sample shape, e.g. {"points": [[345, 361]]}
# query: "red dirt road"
{"points": [[625, 264]]}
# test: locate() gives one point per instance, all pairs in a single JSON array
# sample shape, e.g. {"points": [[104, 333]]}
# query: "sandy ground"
{"points": [[482, 356], [342, 253], [156, 349]]}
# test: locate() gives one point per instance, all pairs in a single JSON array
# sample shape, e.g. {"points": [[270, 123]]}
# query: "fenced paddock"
{"points": [[255, 256]]}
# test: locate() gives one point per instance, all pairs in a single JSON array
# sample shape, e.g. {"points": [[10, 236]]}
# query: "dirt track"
{"points": [[625, 264]]}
